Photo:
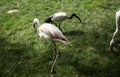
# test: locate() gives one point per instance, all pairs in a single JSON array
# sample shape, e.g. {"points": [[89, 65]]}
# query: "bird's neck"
{"points": [[38, 24], [117, 28]]}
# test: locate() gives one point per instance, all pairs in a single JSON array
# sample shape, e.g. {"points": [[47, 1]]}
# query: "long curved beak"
{"points": [[78, 18]]}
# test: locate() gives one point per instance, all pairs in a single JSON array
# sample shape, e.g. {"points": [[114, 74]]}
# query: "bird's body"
{"points": [[60, 17], [115, 38], [52, 33]]}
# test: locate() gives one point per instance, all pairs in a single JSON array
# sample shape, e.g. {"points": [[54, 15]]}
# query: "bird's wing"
{"points": [[60, 16], [50, 30]]}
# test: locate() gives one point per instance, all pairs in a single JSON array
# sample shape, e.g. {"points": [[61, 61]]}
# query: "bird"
{"points": [[52, 33], [115, 41], [60, 17]]}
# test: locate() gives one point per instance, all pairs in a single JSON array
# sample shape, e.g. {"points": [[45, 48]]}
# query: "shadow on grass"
{"points": [[110, 69], [98, 71], [74, 32], [14, 58]]}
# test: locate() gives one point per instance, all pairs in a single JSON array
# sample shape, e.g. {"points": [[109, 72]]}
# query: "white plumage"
{"points": [[51, 32], [115, 40], [60, 17]]}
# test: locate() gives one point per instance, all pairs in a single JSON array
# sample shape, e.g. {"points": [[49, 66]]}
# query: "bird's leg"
{"points": [[54, 52], [57, 25], [111, 49], [115, 43], [54, 23], [55, 59], [60, 27]]}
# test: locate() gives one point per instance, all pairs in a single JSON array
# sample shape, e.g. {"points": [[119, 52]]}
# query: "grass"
{"points": [[24, 54]]}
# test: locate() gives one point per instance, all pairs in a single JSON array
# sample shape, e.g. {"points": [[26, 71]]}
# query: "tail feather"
{"points": [[64, 40]]}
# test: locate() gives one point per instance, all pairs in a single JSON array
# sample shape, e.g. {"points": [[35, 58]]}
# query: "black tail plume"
{"points": [[75, 16], [48, 20]]}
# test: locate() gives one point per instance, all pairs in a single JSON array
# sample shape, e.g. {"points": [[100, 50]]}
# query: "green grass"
{"points": [[24, 54]]}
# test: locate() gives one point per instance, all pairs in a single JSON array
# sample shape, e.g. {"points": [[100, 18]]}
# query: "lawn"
{"points": [[24, 54]]}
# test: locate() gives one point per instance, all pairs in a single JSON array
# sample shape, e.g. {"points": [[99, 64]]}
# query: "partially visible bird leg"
{"points": [[55, 59], [111, 48], [54, 53], [57, 25], [54, 23], [118, 42], [60, 27]]}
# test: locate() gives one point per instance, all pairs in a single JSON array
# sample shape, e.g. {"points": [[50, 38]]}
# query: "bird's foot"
{"points": [[52, 71]]}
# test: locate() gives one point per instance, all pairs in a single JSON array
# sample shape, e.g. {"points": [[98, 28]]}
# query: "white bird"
{"points": [[116, 34], [59, 17], [52, 33]]}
